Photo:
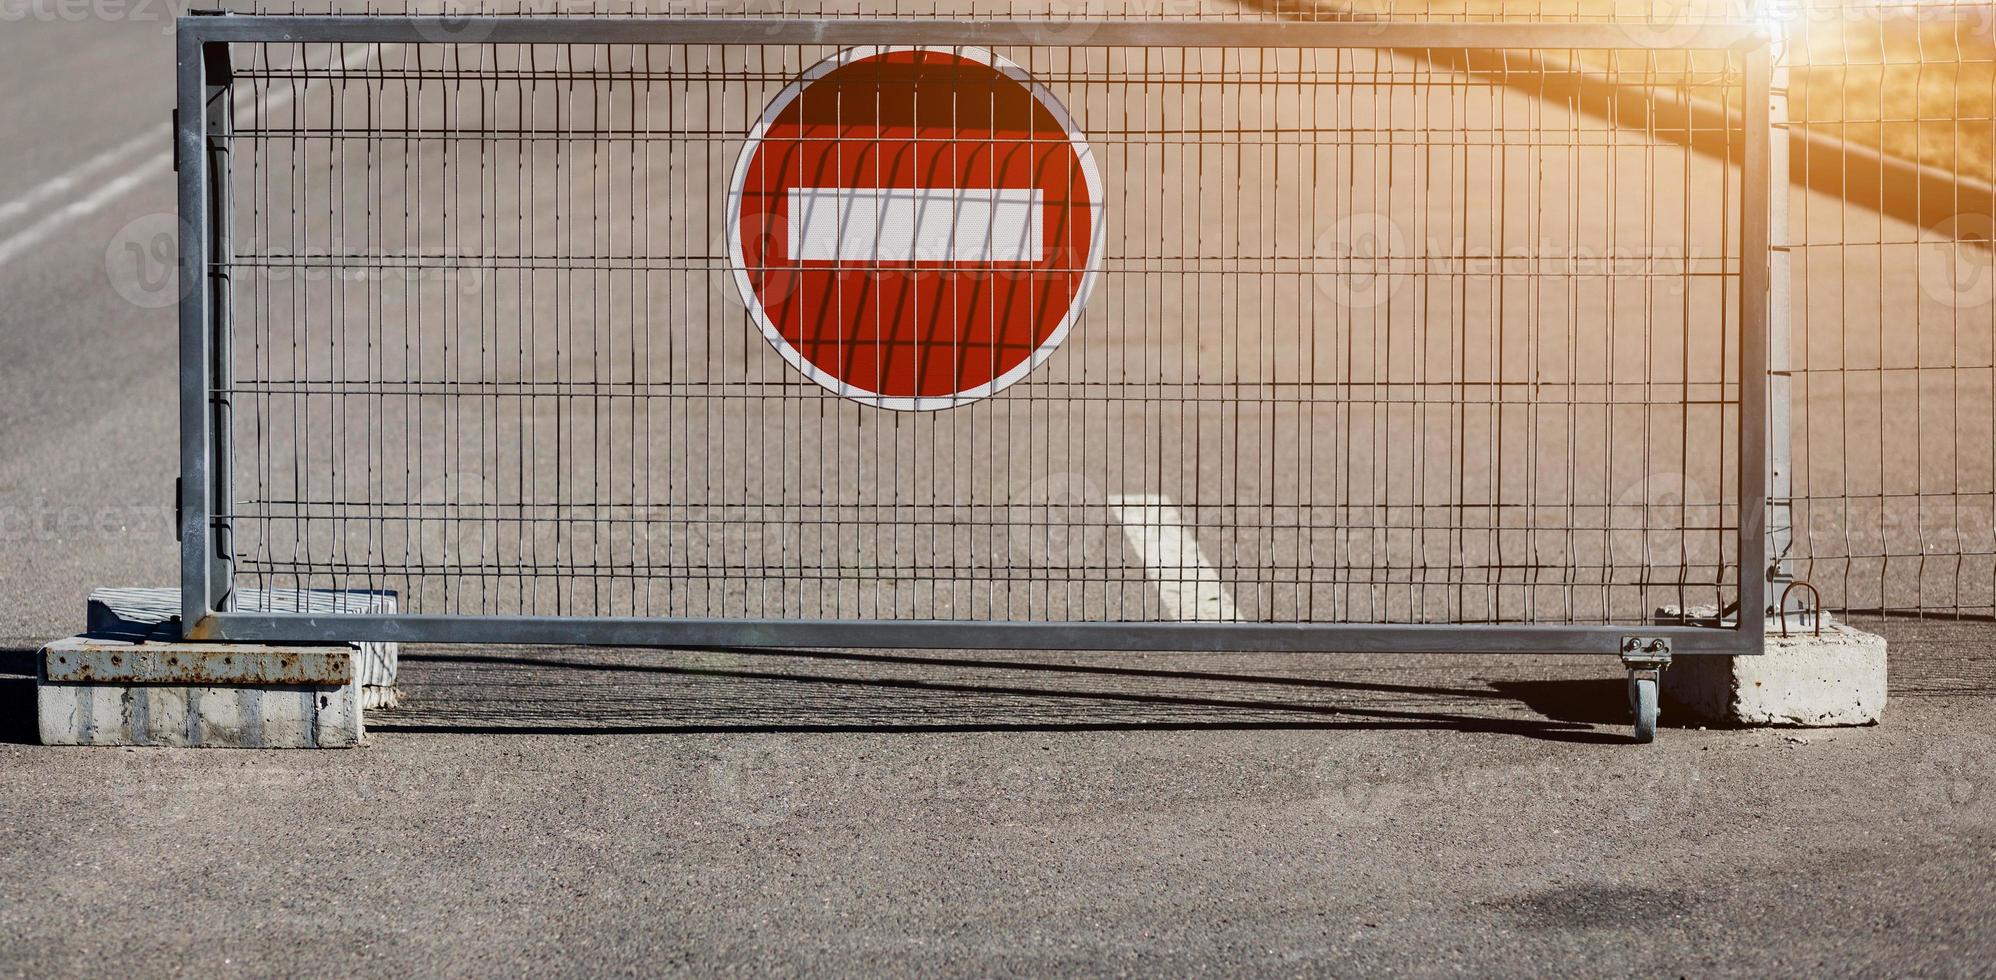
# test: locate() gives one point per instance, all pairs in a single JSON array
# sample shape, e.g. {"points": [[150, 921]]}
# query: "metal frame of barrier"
{"points": [[202, 131]]}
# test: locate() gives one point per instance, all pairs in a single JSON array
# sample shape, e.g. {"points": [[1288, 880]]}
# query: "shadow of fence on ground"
{"points": [[675, 692]]}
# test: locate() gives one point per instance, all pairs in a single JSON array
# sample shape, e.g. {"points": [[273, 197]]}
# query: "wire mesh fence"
{"points": [[1894, 308], [1890, 219], [1374, 338]]}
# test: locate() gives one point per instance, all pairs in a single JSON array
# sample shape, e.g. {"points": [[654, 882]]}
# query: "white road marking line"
{"points": [[1188, 585], [155, 137], [137, 173], [82, 207]]}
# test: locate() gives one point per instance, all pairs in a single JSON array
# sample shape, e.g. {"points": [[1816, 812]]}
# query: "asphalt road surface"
{"points": [[888, 813]]}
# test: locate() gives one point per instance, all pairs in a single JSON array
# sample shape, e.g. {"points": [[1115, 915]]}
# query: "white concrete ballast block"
{"points": [[206, 695], [1803, 679]]}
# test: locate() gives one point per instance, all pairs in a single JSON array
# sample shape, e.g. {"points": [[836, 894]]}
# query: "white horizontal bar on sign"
{"points": [[915, 224]]}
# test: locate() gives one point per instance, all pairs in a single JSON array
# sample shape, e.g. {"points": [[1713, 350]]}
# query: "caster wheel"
{"points": [[1642, 700]]}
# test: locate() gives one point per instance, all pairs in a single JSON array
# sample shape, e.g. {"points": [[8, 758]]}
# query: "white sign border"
{"points": [[737, 192]]}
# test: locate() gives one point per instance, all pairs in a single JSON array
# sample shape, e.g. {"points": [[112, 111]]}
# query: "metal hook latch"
{"points": [[1781, 606]]}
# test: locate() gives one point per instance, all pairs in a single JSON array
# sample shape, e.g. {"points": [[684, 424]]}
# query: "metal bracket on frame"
{"points": [[1646, 652]]}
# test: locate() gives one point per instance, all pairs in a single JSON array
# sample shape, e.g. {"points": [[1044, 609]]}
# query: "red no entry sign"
{"points": [[915, 228]]}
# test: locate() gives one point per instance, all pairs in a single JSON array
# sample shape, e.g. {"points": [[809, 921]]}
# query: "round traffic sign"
{"points": [[915, 228]]}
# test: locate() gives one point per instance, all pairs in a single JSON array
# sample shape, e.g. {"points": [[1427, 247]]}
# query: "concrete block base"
{"points": [[1802, 680], [201, 695], [154, 614]]}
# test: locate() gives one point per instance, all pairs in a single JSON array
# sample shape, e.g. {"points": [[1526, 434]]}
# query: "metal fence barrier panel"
{"points": [[1893, 313], [1377, 348]]}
